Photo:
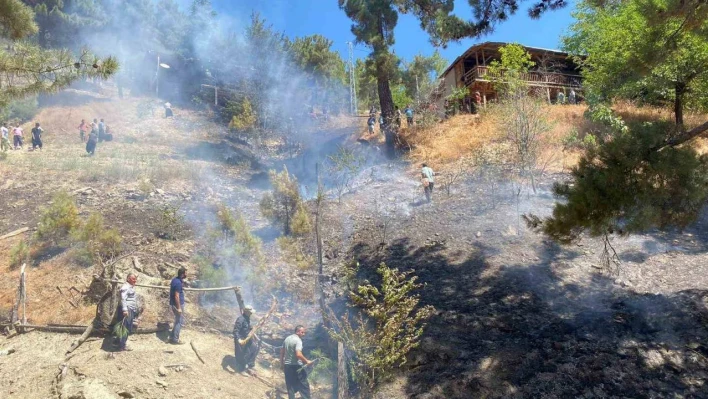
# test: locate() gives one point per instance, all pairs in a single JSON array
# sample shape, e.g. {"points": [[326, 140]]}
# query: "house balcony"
{"points": [[533, 78]]}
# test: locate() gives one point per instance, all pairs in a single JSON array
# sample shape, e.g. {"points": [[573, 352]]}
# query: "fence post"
{"points": [[342, 375]]}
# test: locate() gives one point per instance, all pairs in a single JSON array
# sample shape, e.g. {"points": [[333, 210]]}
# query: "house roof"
{"points": [[496, 45]]}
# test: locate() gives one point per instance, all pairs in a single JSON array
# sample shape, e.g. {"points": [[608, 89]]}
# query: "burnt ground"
{"points": [[521, 317]]}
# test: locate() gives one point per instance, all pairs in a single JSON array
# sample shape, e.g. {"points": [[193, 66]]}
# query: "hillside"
{"points": [[516, 316]]}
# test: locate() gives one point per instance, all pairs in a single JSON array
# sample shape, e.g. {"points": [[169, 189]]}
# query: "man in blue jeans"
{"points": [[177, 304]]}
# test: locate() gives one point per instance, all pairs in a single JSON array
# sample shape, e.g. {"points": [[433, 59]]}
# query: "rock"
{"points": [[160, 191], [162, 371], [161, 383], [126, 394], [479, 234]]}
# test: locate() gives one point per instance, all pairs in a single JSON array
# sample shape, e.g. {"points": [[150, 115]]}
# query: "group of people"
{"points": [[572, 97], [18, 137], [397, 118], [246, 342], [94, 133]]}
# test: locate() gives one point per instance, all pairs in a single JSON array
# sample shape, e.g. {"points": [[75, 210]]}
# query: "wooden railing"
{"points": [[552, 79]]}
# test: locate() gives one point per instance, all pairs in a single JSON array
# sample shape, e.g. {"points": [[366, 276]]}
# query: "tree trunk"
{"points": [[680, 89], [387, 109]]}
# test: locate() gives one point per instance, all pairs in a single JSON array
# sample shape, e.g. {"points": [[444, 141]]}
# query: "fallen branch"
{"points": [[262, 321], [14, 233], [82, 329], [82, 338], [269, 384], [194, 348]]}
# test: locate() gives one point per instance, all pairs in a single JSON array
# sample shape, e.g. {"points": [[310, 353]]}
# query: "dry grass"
{"points": [[461, 136]]}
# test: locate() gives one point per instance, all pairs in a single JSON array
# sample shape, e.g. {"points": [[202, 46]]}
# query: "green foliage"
{"points": [[211, 275], [21, 110], [19, 254], [619, 46], [400, 97], [323, 371], [420, 74], [625, 186], [242, 115], [300, 224], [393, 326], [458, 93], [282, 203], [96, 242], [170, 223], [507, 73], [248, 246], [59, 219]]}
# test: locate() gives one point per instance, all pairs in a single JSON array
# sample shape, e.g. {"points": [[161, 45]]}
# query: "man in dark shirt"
{"points": [[37, 136], [245, 351], [177, 304]]}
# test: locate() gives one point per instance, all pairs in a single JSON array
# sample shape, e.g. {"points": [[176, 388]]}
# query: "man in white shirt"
{"points": [[5, 141], [428, 181], [294, 365], [129, 308]]}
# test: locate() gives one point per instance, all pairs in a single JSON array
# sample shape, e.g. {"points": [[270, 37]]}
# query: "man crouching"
{"points": [[245, 350]]}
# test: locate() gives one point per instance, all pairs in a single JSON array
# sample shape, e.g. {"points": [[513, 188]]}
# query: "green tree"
{"points": [[620, 59], [26, 68], [389, 327], [322, 65], [420, 74], [284, 202]]}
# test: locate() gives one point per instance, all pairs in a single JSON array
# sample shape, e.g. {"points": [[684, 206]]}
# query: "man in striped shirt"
{"points": [[129, 308]]}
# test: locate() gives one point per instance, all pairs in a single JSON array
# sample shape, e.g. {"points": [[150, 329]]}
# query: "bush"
{"points": [[241, 115], [95, 241], [211, 275], [20, 110], [19, 254], [300, 224], [294, 253], [170, 223], [247, 244], [392, 328], [59, 219], [282, 204]]}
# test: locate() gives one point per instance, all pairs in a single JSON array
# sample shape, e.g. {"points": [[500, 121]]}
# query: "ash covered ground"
{"points": [[522, 317]]}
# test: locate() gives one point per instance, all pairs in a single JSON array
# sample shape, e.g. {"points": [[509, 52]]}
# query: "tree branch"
{"points": [[684, 137]]}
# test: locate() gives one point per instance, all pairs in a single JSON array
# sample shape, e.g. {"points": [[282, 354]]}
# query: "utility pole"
{"points": [[352, 80]]}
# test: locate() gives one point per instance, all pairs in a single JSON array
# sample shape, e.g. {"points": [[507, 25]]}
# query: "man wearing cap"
{"points": [[245, 351], [177, 304]]}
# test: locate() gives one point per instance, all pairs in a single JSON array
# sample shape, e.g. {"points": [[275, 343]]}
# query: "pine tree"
{"points": [[26, 68]]}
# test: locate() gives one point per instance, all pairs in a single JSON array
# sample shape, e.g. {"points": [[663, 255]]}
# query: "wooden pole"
{"points": [[239, 299], [194, 348], [165, 287], [82, 329], [24, 294], [342, 376]]}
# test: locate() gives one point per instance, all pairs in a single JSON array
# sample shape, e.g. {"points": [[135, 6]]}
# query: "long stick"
{"points": [[82, 329], [262, 321], [194, 348], [24, 295], [164, 287], [14, 233]]}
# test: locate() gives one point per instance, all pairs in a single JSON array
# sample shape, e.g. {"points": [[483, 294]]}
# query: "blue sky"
{"points": [[307, 17]]}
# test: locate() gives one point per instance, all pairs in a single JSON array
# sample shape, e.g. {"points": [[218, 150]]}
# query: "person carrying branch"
{"points": [[295, 364], [129, 310], [177, 304], [245, 349]]}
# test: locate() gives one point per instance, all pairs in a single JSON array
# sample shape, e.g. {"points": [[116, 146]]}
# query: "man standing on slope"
{"points": [[177, 304], [428, 181], [294, 364], [17, 137], [245, 351], [5, 140], [409, 115], [129, 308], [37, 136]]}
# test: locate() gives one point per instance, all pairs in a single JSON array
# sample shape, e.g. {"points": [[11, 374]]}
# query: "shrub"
{"points": [[170, 223], [21, 110], [281, 205], [294, 253], [323, 371], [242, 116], [247, 244], [95, 241], [59, 219], [300, 224], [19, 254], [211, 275], [393, 326]]}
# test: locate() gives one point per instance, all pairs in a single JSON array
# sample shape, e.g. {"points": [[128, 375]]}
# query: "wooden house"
{"points": [[554, 71]]}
